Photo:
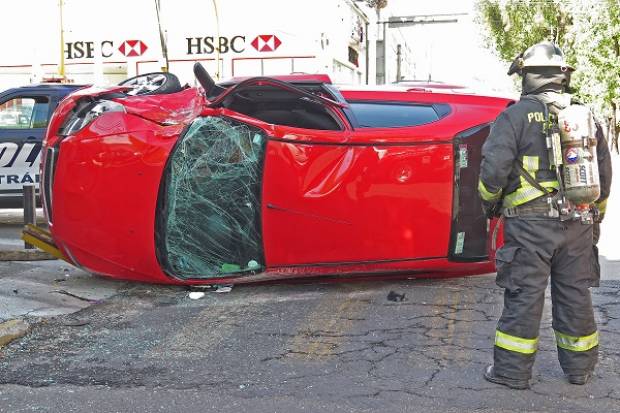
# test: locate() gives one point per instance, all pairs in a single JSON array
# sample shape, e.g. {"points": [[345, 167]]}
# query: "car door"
{"points": [[379, 193], [227, 170], [23, 119]]}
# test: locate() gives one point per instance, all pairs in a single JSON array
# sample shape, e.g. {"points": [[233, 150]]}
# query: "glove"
{"points": [[597, 215], [491, 209], [598, 218]]}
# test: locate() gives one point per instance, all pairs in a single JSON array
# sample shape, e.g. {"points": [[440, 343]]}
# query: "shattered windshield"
{"points": [[209, 211]]}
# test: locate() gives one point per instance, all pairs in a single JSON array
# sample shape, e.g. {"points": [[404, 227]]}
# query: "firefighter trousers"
{"points": [[535, 250]]}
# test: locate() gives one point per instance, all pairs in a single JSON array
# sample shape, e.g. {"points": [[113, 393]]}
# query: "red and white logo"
{"points": [[132, 48], [266, 42], [572, 155]]}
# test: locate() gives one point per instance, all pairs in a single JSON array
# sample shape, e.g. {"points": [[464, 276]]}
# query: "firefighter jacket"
{"points": [[518, 135]]}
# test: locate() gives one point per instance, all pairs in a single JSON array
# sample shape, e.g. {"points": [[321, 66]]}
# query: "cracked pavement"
{"points": [[296, 347]]}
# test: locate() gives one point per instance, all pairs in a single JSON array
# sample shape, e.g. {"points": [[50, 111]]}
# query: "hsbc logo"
{"points": [[132, 48], [86, 50], [194, 46], [266, 42], [233, 44]]}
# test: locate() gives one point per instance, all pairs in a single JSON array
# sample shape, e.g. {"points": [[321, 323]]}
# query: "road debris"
{"points": [[196, 295], [393, 296], [223, 288], [12, 329]]}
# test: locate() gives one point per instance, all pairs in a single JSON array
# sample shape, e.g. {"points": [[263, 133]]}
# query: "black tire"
{"points": [[155, 83]]}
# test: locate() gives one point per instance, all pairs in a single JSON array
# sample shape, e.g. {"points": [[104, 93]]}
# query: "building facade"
{"points": [[104, 43]]}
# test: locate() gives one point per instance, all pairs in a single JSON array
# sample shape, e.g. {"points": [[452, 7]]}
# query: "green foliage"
{"points": [[588, 31], [376, 4], [514, 24]]}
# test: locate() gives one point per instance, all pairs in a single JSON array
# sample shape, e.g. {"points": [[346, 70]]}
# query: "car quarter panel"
{"points": [[374, 195]]}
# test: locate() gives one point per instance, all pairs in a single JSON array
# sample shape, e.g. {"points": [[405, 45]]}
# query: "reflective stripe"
{"points": [[576, 343], [601, 205], [530, 164], [516, 344], [487, 195], [527, 193]]}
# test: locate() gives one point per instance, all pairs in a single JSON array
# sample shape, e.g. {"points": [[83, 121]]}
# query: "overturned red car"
{"points": [[267, 178]]}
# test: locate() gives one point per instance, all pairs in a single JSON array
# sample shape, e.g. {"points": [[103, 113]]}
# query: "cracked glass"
{"points": [[209, 222]]}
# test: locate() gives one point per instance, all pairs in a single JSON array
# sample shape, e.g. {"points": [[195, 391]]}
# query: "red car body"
{"points": [[353, 200]]}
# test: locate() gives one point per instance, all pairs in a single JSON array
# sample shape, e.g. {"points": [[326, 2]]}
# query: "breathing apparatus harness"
{"points": [[572, 155]]}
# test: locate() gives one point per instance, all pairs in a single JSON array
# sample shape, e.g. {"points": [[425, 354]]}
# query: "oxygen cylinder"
{"points": [[578, 142]]}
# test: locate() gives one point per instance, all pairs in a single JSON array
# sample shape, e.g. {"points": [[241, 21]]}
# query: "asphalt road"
{"points": [[99, 345], [294, 348]]}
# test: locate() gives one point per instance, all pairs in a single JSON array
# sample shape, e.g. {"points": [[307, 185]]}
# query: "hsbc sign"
{"points": [[132, 48], [266, 42], [233, 44], [194, 46], [86, 50]]}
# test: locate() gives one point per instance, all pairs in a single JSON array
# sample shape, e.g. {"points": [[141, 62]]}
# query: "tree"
{"points": [[587, 31], [597, 39], [376, 4]]}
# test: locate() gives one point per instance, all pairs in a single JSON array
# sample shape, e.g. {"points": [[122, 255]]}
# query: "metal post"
{"points": [[398, 62], [30, 211], [61, 67], [367, 60], [162, 38], [385, 49], [218, 73]]}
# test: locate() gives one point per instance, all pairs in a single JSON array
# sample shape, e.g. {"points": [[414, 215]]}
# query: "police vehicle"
{"points": [[24, 114]]}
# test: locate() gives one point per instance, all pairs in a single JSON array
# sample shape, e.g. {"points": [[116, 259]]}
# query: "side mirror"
{"points": [[206, 81]]}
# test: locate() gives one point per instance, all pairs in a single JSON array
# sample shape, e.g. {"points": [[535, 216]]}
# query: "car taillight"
{"points": [[49, 169]]}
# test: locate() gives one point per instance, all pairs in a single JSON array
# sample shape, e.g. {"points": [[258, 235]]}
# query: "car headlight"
{"points": [[86, 113]]}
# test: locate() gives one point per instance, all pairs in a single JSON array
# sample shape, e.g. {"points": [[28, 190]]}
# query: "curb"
{"points": [[25, 255], [12, 329]]}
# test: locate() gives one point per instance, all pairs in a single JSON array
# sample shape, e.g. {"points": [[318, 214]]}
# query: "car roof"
{"points": [[436, 84], [294, 78], [435, 88], [424, 94], [52, 86]]}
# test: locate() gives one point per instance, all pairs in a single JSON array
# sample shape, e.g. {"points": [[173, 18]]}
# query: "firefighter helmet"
{"points": [[543, 54]]}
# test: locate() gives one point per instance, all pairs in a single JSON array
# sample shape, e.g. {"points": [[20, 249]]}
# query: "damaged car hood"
{"points": [[168, 109]]}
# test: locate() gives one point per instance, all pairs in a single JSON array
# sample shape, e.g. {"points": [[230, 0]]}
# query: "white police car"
{"points": [[24, 113]]}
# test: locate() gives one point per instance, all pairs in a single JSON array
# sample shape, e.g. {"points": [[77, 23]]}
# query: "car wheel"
{"points": [[157, 83]]}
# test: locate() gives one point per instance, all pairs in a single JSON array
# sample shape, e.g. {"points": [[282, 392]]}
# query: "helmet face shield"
{"points": [[540, 78]]}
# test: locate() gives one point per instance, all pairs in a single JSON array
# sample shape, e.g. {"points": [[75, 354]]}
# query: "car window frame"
{"points": [[357, 125], [35, 97]]}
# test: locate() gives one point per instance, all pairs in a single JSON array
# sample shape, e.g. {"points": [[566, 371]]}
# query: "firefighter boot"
{"points": [[579, 379], [518, 384]]}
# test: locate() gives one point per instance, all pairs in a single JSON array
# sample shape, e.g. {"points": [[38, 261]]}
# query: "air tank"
{"points": [[578, 141]]}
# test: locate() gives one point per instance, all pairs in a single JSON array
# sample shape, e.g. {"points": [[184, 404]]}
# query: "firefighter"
{"points": [[517, 179]]}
